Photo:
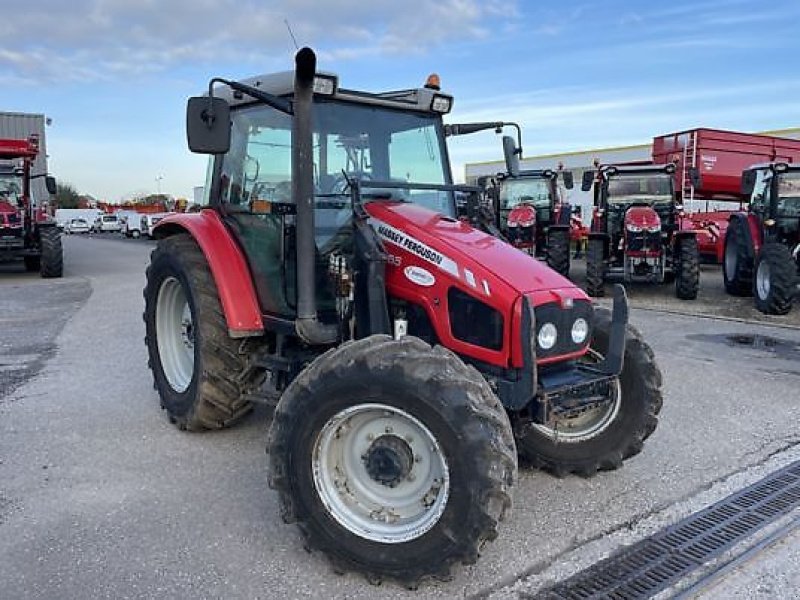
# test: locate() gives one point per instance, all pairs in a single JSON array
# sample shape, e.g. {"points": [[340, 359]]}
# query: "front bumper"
{"points": [[550, 393]]}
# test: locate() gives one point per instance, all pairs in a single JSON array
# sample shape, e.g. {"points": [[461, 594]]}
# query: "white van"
{"points": [[105, 223]]}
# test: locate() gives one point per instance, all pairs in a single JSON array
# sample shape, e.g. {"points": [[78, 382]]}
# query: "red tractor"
{"points": [[26, 231], [762, 245], [636, 233], [411, 355]]}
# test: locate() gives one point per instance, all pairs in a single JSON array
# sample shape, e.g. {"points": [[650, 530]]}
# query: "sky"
{"points": [[114, 75]]}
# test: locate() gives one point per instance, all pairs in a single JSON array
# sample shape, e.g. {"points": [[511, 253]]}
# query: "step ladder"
{"points": [[689, 160]]}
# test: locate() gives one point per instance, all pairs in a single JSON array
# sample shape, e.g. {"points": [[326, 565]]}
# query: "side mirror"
{"points": [[587, 181], [50, 184], [694, 176], [569, 181], [748, 182], [208, 125], [511, 155]]}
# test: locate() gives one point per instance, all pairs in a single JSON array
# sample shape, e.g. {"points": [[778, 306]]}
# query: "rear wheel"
{"points": [[595, 267], [52, 259], [737, 266], [201, 374], [136, 234], [687, 266], [600, 438], [558, 251], [774, 283], [395, 458]]}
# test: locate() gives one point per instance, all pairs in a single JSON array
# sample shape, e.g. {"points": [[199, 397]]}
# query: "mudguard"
{"points": [[228, 267]]}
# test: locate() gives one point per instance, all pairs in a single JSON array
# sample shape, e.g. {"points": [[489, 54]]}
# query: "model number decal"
{"points": [[414, 246], [419, 276]]}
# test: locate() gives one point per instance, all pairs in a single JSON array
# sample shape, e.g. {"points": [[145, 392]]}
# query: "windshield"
{"points": [[789, 194], [650, 189], [350, 141], [10, 187], [525, 191]]}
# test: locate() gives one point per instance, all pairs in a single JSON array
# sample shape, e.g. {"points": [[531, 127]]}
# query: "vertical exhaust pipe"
{"points": [[307, 326]]}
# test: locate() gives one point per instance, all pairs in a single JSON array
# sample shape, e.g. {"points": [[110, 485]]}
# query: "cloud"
{"points": [[91, 40]]}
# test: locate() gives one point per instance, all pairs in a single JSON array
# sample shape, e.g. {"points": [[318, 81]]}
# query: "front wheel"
{"points": [[52, 258], [600, 438], [687, 268], [737, 264], [595, 267], [558, 251], [395, 458], [774, 283], [199, 370]]}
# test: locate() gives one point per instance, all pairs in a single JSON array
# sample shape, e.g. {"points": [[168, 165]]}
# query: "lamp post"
{"points": [[158, 183]]}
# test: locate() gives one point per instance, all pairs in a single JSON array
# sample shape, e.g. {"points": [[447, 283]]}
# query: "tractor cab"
{"points": [[775, 199]]}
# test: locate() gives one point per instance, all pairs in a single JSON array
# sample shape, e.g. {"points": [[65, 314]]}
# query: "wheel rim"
{"points": [[763, 280], [380, 473], [175, 334], [589, 423]]}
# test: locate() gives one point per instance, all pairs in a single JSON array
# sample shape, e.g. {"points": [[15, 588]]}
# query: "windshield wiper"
{"points": [[281, 104]]}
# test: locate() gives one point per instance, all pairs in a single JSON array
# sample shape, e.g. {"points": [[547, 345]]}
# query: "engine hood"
{"points": [[523, 215], [463, 252], [643, 217]]}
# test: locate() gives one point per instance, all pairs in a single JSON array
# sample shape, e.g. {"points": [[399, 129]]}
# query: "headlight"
{"points": [[323, 85], [654, 229], [547, 336], [580, 329], [633, 228]]}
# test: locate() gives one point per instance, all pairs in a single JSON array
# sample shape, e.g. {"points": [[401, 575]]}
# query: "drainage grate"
{"points": [[655, 563]]}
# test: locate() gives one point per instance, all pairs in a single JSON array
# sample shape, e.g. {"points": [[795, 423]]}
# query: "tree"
{"points": [[66, 196]]}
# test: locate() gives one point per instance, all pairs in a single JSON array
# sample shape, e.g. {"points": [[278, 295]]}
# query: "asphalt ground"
{"points": [[101, 497]]}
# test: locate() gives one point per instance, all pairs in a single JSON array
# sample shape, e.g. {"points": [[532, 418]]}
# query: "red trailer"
{"points": [[709, 165]]}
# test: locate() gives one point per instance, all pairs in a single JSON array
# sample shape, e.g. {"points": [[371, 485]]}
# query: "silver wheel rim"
{"points": [[590, 423], [175, 334], [393, 512], [763, 280]]}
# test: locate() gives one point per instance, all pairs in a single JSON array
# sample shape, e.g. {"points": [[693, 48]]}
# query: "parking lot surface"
{"points": [[101, 497]]}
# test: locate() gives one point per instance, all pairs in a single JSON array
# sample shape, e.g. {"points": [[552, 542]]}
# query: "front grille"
{"points": [[643, 240], [562, 318]]}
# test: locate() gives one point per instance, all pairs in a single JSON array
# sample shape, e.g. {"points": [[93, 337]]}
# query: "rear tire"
{"points": [[737, 263], [687, 265], [201, 374], [52, 259], [558, 251], [613, 433], [595, 267], [392, 523], [774, 283]]}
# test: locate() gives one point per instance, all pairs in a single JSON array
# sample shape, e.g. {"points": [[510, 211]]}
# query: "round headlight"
{"points": [[580, 329], [547, 336]]}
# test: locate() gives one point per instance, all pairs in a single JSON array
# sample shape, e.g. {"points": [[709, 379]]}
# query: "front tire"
{"points": [[687, 265], [199, 371], [774, 283], [595, 267], [395, 458], [737, 263], [558, 251], [602, 437], [52, 259]]}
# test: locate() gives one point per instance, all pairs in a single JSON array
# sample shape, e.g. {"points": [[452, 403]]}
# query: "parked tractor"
{"points": [[27, 232], [411, 355], [636, 233], [762, 245]]}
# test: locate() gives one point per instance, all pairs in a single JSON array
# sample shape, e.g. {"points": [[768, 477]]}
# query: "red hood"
{"points": [[462, 249], [523, 215], [642, 216], [7, 207]]}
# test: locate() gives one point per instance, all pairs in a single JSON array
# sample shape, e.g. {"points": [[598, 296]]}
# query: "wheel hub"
{"points": [[389, 460]]}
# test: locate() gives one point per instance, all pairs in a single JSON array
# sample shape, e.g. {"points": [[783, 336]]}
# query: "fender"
{"points": [[228, 268]]}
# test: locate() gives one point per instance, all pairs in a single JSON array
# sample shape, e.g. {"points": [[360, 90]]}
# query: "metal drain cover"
{"points": [[655, 563]]}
